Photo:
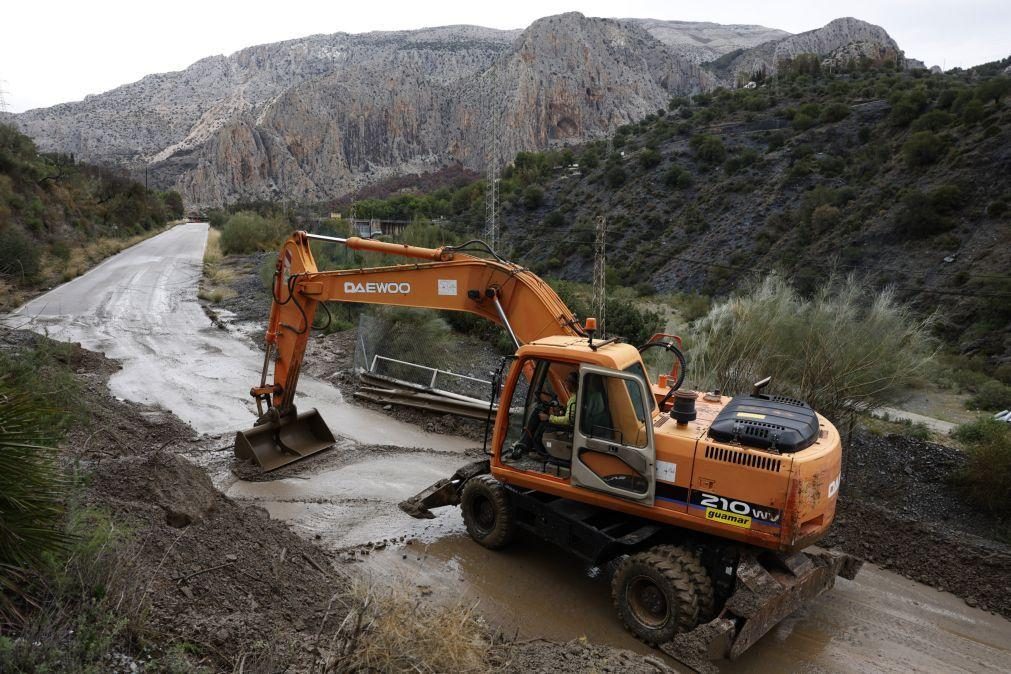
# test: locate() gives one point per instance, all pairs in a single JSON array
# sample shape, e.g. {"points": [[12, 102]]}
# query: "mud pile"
{"points": [[899, 509]]}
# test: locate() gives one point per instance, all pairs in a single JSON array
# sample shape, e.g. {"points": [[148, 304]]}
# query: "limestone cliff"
{"points": [[316, 117]]}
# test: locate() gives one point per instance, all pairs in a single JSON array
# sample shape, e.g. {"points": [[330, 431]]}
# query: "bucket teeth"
{"points": [[278, 443]]}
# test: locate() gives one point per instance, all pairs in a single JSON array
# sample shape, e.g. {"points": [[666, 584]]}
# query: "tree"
{"points": [[923, 148], [708, 149], [174, 204], [649, 158]]}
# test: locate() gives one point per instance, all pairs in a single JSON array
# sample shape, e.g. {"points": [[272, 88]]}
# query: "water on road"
{"points": [[140, 307]]}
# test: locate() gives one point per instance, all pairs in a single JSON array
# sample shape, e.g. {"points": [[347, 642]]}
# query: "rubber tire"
{"points": [[668, 576], [487, 513], [692, 564]]}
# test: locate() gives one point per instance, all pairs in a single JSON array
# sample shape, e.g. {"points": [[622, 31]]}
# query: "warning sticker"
{"points": [[447, 286], [750, 415], [666, 471]]}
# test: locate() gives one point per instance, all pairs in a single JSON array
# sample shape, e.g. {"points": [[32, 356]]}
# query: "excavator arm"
{"points": [[444, 278]]}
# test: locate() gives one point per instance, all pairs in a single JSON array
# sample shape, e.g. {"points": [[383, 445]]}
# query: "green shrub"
{"points": [[649, 158], [555, 219], [847, 348], [615, 176], [935, 120], [626, 319], [992, 395], [32, 493], [835, 112], [248, 232], [533, 197], [926, 214], [986, 476], [708, 149], [19, 255], [923, 148], [973, 112], [677, 177]]}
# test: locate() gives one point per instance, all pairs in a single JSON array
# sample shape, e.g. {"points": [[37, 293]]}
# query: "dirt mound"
{"points": [[899, 509], [538, 655]]}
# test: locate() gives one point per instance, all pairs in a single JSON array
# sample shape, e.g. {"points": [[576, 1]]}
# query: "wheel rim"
{"points": [[647, 602], [484, 513]]}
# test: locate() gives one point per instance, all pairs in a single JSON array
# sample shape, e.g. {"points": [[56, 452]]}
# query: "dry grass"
{"points": [[847, 349], [214, 287], [392, 629]]}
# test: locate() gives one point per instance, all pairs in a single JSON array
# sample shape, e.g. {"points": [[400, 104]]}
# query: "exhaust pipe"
{"points": [[281, 441]]}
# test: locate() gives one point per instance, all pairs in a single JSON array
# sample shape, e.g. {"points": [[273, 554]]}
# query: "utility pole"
{"points": [[491, 191], [3, 101], [599, 276]]}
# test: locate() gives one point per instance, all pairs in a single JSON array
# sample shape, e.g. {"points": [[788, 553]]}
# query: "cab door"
{"points": [[613, 448]]}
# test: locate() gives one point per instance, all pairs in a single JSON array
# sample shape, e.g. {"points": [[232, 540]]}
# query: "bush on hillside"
{"points": [[19, 255], [533, 197], [926, 214], [986, 476], [676, 177], [615, 176], [923, 148], [992, 395], [247, 232], [846, 349], [708, 149], [649, 158]]}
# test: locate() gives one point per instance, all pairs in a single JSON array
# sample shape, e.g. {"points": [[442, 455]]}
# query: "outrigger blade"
{"points": [[769, 587], [445, 492], [277, 443]]}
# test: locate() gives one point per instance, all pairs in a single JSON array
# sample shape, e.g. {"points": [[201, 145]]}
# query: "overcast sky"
{"points": [[57, 51]]}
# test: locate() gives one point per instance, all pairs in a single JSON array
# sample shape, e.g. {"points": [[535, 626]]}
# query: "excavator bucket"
{"points": [[278, 443], [769, 588]]}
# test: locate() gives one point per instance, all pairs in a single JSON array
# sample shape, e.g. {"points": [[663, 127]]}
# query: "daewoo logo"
{"points": [[388, 288]]}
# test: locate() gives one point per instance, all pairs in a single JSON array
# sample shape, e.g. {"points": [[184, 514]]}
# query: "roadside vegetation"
{"points": [[985, 480], [58, 217], [845, 350], [69, 595]]}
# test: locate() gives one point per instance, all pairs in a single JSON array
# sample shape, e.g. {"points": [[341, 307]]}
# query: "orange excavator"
{"points": [[698, 505]]}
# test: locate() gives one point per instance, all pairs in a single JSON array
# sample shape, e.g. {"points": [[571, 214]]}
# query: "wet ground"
{"points": [[140, 307]]}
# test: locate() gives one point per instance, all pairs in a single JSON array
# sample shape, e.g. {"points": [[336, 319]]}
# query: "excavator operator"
{"points": [[568, 419]]}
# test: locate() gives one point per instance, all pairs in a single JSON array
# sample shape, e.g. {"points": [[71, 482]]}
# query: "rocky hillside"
{"points": [[841, 39], [315, 118], [700, 41], [884, 173]]}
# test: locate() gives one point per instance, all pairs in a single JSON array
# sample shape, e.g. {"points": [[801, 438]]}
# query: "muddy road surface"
{"points": [[140, 307]]}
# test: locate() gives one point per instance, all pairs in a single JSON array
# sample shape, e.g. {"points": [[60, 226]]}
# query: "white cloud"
{"points": [[60, 51]]}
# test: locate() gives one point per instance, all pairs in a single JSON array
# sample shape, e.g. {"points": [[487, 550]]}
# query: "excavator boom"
{"points": [[446, 278]]}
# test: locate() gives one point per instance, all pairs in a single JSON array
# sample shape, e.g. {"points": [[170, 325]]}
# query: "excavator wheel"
{"points": [[654, 596], [487, 512], [692, 564]]}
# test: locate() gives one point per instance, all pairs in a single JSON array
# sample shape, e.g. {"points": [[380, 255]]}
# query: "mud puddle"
{"points": [[879, 622]]}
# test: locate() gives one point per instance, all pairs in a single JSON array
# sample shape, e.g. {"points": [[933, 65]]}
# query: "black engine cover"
{"points": [[767, 422]]}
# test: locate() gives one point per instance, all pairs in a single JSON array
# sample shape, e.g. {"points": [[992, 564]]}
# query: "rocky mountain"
{"points": [[700, 41], [842, 38], [314, 118]]}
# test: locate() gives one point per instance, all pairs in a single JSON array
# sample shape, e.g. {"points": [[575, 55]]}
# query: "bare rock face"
{"points": [[700, 41], [314, 118], [849, 35]]}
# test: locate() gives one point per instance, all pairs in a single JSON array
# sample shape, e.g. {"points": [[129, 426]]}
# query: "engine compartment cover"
{"points": [[767, 422]]}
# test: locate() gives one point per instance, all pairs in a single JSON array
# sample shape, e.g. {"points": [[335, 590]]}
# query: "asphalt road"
{"points": [[140, 307]]}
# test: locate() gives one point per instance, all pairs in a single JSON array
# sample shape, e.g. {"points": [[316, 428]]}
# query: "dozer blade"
{"points": [[769, 588], [445, 492], [278, 443]]}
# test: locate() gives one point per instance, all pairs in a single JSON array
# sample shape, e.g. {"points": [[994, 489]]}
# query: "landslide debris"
{"points": [[900, 509]]}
